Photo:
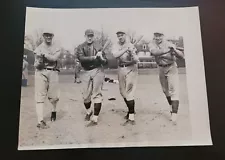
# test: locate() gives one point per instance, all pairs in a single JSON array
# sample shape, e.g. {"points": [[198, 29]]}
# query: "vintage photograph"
{"points": [[115, 77]]}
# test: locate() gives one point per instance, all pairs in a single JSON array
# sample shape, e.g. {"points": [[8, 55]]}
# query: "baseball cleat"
{"points": [[131, 122], [88, 116], [53, 116], [42, 125], [174, 118], [92, 123], [77, 81]]}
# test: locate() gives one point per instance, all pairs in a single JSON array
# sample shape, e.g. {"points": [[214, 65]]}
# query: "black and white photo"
{"points": [[113, 77]]}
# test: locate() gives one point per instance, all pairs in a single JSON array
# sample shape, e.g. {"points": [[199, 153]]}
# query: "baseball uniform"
{"points": [[92, 78], [46, 78], [77, 69], [127, 75], [168, 73]]}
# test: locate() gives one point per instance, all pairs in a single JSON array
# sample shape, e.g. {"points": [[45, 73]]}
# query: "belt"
{"points": [[125, 65], [52, 69], [166, 65]]}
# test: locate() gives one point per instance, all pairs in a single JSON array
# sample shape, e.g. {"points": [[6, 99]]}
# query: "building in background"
{"points": [[143, 52]]}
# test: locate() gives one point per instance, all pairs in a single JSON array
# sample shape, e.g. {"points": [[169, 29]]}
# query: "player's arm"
{"points": [[53, 57], [135, 58], [175, 51], [105, 61], [38, 63], [159, 52], [86, 59], [37, 57], [118, 53], [155, 51], [178, 53], [82, 58]]}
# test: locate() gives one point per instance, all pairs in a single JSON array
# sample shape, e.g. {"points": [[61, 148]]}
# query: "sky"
{"points": [[69, 25]]}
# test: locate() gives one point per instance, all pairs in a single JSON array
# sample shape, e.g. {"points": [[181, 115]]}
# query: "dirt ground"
{"points": [[152, 116]]}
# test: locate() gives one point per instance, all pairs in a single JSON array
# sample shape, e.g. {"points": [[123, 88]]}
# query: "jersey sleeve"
{"points": [[79, 52]]}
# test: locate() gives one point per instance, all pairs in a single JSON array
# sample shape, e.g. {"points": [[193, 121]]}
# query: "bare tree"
{"points": [[101, 37], [29, 42], [34, 40], [133, 37], [38, 37]]}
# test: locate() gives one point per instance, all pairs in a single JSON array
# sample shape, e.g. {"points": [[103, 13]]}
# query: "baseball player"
{"points": [[125, 52], [46, 76], [92, 60], [25, 69], [77, 69], [77, 72], [165, 55]]}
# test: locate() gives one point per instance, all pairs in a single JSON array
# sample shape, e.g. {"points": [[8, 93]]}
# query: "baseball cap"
{"points": [[89, 32], [121, 31], [159, 32], [48, 31]]}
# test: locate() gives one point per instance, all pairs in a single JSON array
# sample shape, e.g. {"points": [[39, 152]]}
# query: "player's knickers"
{"points": [[127, 77], [169, 80], [92, 82], [46, 85]]}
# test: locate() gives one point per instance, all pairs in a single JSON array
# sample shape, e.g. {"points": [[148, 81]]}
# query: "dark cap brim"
{"points": [[89, 34], [120, 32], [158, 33], [48, 33]]}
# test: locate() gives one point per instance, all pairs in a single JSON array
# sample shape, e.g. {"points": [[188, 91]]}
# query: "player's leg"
{"points": [[127, 115], [131, 82], [41, 84], [122, 81], [98, 81], [53, 92], [164, 84], [122, 86], [173, 83], [87, 87]]}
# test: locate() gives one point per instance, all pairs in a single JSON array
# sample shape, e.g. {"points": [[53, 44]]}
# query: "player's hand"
{"points": [[173, 53], [172, 47], [42, 55], [99, 54], [130, 48], [135, 59]]}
